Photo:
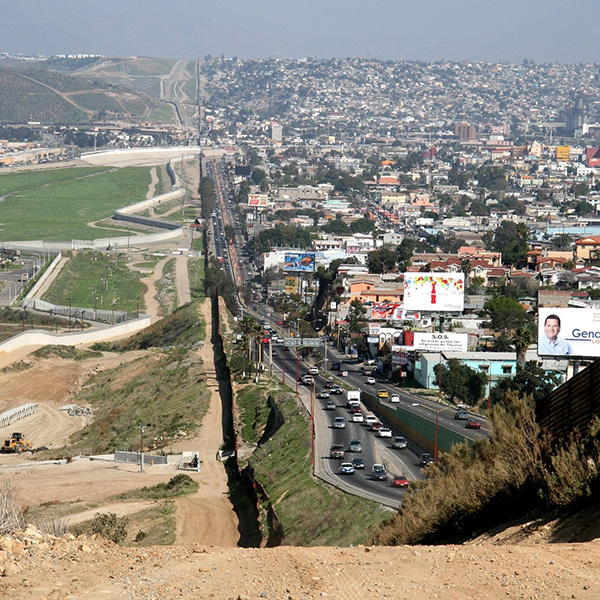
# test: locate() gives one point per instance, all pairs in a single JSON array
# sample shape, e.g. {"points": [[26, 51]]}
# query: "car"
{"points": [[426, 459], [323, 395], [335, 366], [399, 481], [383, 394], [461, 415], [370, 419], [339, 423], [355, 409], [336, 390], [395, 398], [346, 469], [314, 370], [399, 443], [355, 446], [378, 472], [370, 381], [330, 385], [384, 432], [376, 426], [359, 463], [336, 451], [330, 405], [344, 373], [473, 424], [308, 380], [358, 418]]}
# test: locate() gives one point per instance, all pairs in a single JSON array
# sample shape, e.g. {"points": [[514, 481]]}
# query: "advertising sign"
{"points": [[569, 332], [374, 329], [563, 153], [291, 285], [387, 312], [261, 200], [441, 342], [303, 262], [434, 291], [373, 339]]}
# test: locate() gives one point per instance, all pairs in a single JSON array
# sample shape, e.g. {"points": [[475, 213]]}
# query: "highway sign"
{"points": [[303, 342], [292, 342]]}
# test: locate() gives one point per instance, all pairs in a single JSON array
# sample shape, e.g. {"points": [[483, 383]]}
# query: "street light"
{"points": [[142, 429]]}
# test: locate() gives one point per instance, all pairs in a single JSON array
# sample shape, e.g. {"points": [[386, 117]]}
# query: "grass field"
{"points": [[57, 205], [89, 272]]}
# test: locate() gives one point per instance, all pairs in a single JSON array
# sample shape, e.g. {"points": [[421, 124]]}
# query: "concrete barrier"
{"points": [[134, 457], [8, 417], [43, 338]]}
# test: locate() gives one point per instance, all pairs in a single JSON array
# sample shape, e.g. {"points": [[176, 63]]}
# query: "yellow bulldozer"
{"points": [[15, 444]]}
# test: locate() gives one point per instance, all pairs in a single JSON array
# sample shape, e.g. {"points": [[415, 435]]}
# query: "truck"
{"points": [[352, 398]]}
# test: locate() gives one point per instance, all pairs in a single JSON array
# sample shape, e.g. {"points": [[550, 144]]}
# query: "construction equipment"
{"points": [[15, 444]]}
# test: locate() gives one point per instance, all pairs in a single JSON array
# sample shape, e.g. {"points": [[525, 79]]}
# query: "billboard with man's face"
{"points": [[564, 332], [299, 261]]}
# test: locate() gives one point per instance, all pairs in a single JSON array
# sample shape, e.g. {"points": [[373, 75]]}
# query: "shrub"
{"points": [[108, 526]]}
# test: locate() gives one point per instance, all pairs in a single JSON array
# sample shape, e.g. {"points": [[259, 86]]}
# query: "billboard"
{"points": [[441, 342], [291, 285], [258, 200], [434, 291], [569, 332], [563, 153], [299, 261]]}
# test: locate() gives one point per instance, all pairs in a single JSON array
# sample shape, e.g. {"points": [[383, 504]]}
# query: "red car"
{"points": [[473, 424], [400, 481], [355, 409], [376, 426]]}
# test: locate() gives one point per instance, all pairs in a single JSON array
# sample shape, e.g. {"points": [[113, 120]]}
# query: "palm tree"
{"points": [[522, 338], [251, 330]]}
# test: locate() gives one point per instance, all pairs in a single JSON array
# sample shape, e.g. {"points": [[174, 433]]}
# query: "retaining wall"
{"points": [[43, 338], [134, 457], [8, 417], [415, 427]]}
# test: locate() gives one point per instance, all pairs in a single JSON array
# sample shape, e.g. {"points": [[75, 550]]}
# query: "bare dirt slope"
{"points": [[92, 568]]}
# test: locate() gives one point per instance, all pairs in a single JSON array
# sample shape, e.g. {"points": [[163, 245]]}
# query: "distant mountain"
{"points": [[33, 91]]}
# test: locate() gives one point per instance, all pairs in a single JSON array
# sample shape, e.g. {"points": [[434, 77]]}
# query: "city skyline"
{"points": [[537, 30]]}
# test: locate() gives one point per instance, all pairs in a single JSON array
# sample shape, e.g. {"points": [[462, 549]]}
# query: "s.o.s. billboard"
{"points": [[569, 332], [434, 291]]}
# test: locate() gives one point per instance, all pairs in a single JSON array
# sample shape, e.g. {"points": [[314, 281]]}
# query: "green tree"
{"points": [[380, 261], [405, 252], [461, 382], [511, 240], [522, 339], [505, 314], [531, 379]]}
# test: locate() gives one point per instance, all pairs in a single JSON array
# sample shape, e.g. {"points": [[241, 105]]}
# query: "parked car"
{"points": [[346, 469], [473, 424], [399, 481], [383, 394], [370, 381], [384, 432], [461, 415], [330, 405], [378, 473], [355, 446], [359, 463], [339, 423], [323, 395], [395, 398], [358, 418], [426, 459], [399, 443], [336, 451]]}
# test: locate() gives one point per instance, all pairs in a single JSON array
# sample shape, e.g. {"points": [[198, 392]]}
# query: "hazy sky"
{"points": [[511, 30]]}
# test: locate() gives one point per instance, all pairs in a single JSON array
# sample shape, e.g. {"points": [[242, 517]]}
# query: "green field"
{"points": [[57, 205]]}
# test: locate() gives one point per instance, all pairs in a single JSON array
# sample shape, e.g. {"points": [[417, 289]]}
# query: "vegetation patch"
{"points": [[100, 280], [58, 204], [66, 352], [17, 367], [180, 485], [166, 390], [283, 466], [196, 277], [516, 474], [165, 288]]}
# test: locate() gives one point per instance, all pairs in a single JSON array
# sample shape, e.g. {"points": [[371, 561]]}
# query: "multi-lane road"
{"points": [[285, 363]]}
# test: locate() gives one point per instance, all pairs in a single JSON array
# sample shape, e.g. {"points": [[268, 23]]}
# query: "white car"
{"points": [[394, 398], [358, 418], [370, 381], [314, 370], [384, 432], [370, 419]]}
